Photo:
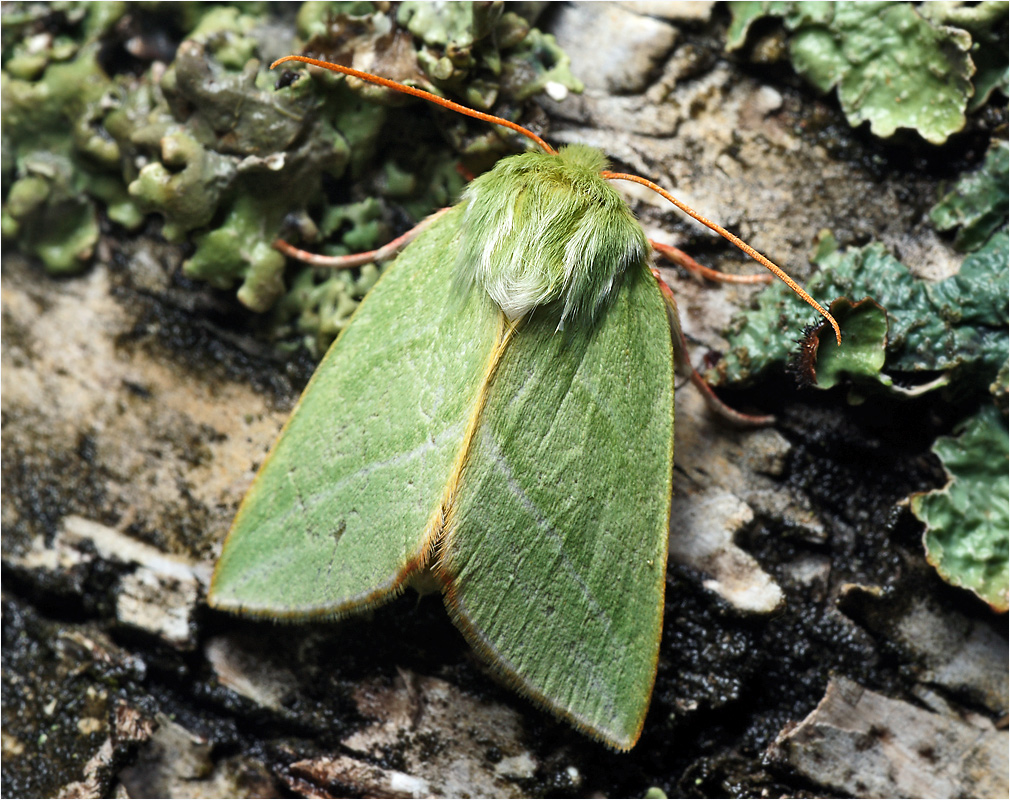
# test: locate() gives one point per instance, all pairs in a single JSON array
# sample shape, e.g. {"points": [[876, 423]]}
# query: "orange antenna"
{"points": [[434, 98], [764, 262], [449, 104]]}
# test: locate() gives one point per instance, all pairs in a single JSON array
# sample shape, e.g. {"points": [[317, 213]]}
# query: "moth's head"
{"points": [[542, 228], [546, 228]]}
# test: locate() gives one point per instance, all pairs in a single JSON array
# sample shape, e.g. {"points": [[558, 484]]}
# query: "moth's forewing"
{"points": [[342, 510], [554, 557]]}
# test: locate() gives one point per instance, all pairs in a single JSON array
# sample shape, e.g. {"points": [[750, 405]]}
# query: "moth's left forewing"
{"points": [[554, 556], [346, 507]]}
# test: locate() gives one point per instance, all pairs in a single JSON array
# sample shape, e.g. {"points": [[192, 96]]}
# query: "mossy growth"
{"points": [[117, 111]]}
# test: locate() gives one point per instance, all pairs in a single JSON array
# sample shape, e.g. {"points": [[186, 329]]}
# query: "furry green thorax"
{"points": [[541, 228]]}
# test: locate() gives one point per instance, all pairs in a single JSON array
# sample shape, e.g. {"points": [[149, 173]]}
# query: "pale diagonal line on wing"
{"points": [[498, 458]]}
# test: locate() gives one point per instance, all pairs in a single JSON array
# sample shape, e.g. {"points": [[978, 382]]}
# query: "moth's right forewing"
{"points": [[340, 514], [554, 556]]}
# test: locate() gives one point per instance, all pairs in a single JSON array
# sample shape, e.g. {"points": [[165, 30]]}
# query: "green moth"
{"points": [[498, 417]]}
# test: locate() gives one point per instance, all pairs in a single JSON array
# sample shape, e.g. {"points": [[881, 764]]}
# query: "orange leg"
{"points": [[682, 259], [384, 253], [683, 362]]}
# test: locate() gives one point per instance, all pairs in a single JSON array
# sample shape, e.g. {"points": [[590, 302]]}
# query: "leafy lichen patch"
{"points": [[955, 326], [977, 204], [966, 535], [894, 65]]}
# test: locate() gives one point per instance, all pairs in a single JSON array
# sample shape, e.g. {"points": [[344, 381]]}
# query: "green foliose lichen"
{"points": [[987, 24], [315, 310], [47, 211], [977, 205], [865, 352], [56, 164], [955, 328], [951, 333], [466, 42], [894, 64], [909, 336], [104, 112], [319, 303], [967, 522]]}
